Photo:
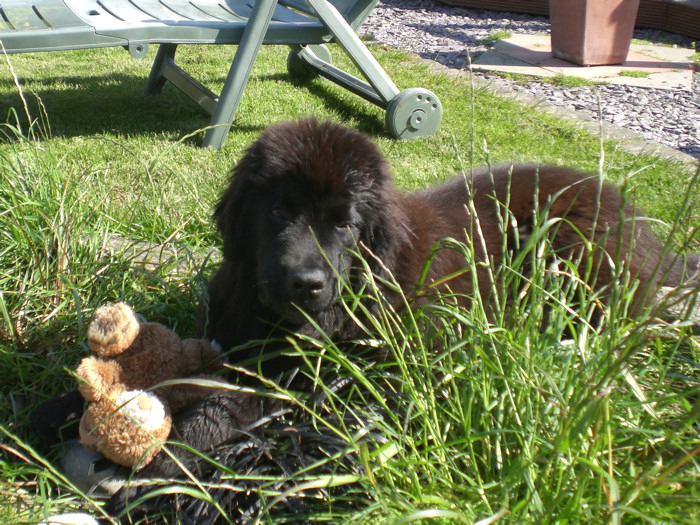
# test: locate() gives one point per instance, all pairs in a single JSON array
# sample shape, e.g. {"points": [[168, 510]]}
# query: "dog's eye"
{"points": [[343, 219], [342, 223], [279, 213]]}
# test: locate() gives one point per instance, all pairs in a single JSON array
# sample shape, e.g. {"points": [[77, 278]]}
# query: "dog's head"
{"points": [[300, 200]]}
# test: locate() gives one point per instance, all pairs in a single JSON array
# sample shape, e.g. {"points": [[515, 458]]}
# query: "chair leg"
{"points": [[164, 68], [238, 75], [156, 79], [309, 57], [410, 113], [356, 49]]}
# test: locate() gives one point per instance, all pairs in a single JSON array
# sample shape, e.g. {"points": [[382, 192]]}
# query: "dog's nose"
{"points": [[307, 282]]}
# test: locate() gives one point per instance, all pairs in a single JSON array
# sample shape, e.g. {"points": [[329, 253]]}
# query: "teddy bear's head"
{"points": [[113, 329]]}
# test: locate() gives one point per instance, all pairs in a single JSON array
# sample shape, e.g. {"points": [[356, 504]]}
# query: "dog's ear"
{"points": [[386, 228], [232, 212]]}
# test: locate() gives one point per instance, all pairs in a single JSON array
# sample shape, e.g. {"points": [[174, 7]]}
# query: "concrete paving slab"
{"points": [[628, 140], [646, 66]]}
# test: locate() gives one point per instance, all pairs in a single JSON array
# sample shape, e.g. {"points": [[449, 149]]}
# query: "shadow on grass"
{"points": [[80, 106], [369, 122]]}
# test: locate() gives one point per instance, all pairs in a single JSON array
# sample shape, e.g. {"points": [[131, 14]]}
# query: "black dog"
{"points": [[307, 193], [307, 197]]}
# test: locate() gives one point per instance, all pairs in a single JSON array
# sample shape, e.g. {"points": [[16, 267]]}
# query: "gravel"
{"points": [[446, 34]]}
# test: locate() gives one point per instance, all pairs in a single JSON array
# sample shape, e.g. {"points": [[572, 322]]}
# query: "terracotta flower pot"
{"points": [[592, 32]]}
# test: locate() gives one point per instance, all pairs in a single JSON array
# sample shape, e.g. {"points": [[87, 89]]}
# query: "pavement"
{"points": [[662, 67], [646, 66]]}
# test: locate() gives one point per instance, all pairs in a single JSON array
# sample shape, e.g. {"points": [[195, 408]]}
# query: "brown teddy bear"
{"points": [[127, 418]]}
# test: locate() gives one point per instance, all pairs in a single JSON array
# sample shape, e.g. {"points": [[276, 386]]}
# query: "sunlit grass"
{"points": [[481, 416]]}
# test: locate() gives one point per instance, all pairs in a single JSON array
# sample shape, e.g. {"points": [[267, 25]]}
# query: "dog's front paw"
{"points": [[131, 503]]}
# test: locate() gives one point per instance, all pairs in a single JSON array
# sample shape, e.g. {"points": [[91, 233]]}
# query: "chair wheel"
{"points": [[300, 69], [414, 112]]}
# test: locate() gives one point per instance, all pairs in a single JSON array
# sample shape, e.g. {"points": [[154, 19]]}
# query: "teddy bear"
{"points": [[129, 413]]}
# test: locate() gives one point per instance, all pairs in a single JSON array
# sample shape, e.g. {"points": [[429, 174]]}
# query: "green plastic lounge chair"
{"points": [[53, 25]]}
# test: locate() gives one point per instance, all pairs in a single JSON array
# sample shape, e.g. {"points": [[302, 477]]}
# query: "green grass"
{"points": [[559, 79], [568, 81], [494, 37], [635, 74], [497, 417], [696, 60]]}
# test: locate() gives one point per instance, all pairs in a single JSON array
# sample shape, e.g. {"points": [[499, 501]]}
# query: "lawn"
{"points": [[499, 420]]}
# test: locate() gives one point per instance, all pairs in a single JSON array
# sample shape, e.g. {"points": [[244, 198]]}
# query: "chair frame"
{"points": [[305, 25]]}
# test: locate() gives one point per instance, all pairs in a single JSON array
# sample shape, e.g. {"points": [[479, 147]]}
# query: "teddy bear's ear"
{"points": [[112, 330]]}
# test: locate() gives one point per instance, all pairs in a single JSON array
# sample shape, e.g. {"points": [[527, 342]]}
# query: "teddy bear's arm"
{"points": [[95, 377], [183, 395], [200, 355]]}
